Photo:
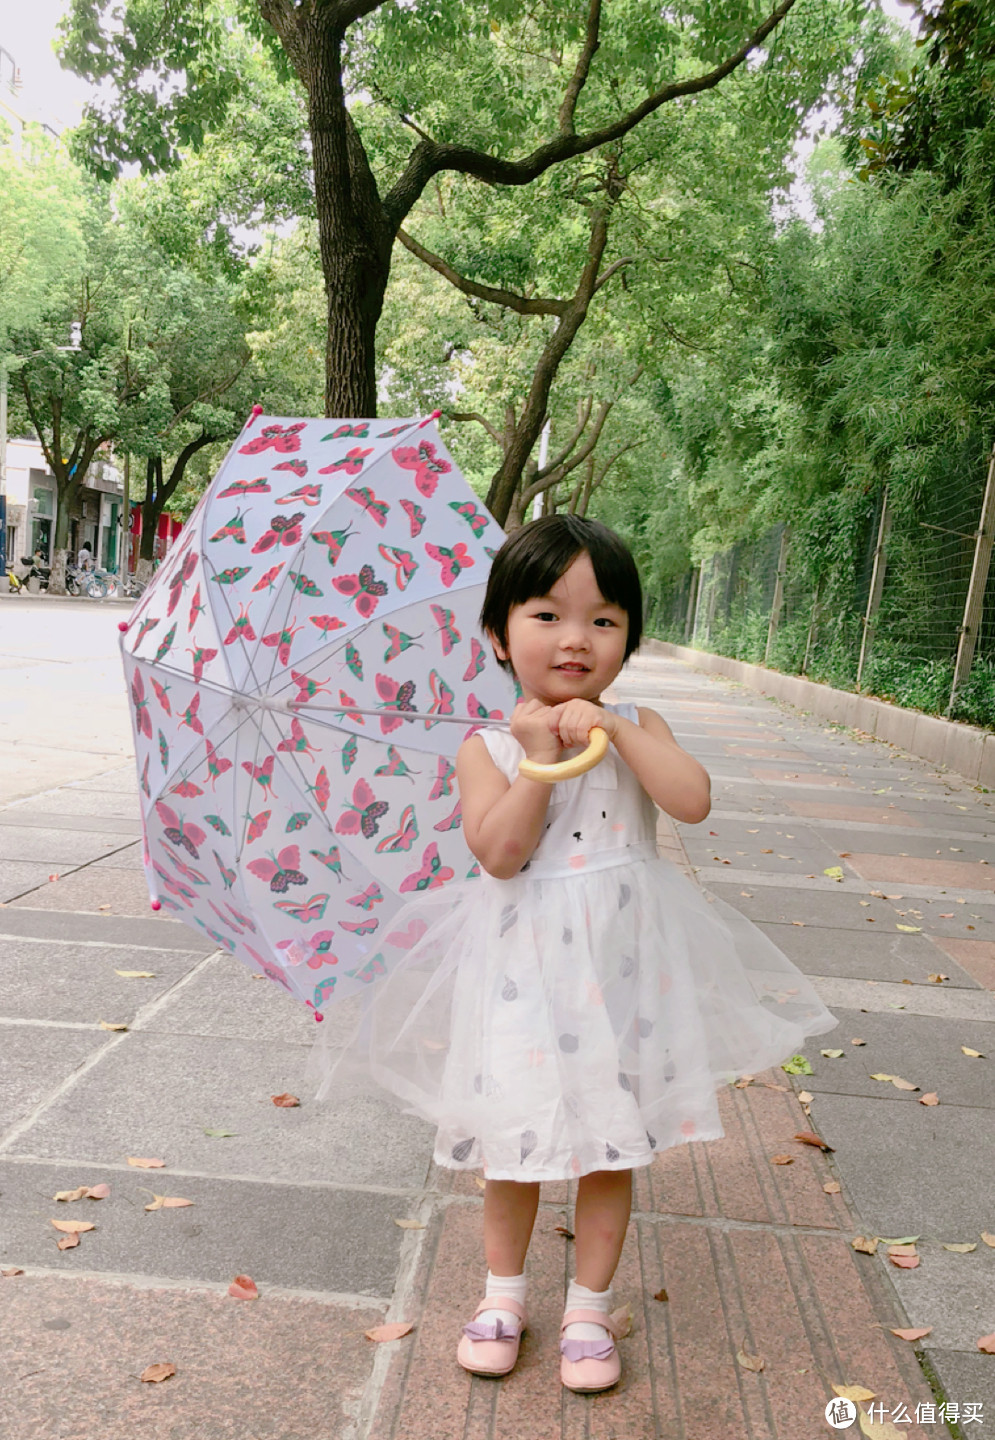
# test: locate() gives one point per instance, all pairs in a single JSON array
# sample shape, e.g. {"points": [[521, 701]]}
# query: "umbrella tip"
{"points": [[429, 418], [122, 625], [155, 904], [254, 413], [318, 1016]]}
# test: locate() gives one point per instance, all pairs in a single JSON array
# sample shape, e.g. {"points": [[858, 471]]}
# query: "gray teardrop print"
{"points": [[462, 1151], [624, 896], [478, 1084], [626, 966], [529, 1142], [645, 1027], [568, 935], [508, 917], [651, 1139], [510, 991], [669, 1071], [610, 1152], [569, 1044], [623, 1081]]}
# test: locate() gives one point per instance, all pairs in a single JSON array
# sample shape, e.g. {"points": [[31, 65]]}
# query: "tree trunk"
{"points": [[150, 516]]}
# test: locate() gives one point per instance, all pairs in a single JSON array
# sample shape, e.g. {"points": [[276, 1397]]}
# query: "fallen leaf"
{"points": [[858, 1042], [220, 1134], [749, 1362], [98, 1192], [866, 1244], [988, 1238], [799, 923], [931, 1099], [901, 1247], [782, 1159], [913, 1334], [105, 1025], [145, 1164], [976, 1054], [481, 1184], [797, 1065], [766, 852], [9, 1274], [835, 872], [622, 1320], [152, 1374], [382, 1333], [742, 1082], [660, 1294], [53, 877], [962, 1249], [832, 1187], [987, 1344], [879, 1430], [136, 974], [68, 1242], [808, 1138], [103, 907], [909, 929], [948, 916], [243, 1287], [409, 1224], [166, 1202], [901, 1084], [73, 1227], [902, 1240], [76, 1194], [805, 1097], [856, 1393], [879, 1075], [832, 1054], [285, 1101], [905, 1262], [562, 1230], [937, 979]]}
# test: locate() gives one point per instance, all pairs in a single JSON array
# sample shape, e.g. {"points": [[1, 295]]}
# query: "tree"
{"points": [[601, 78]]}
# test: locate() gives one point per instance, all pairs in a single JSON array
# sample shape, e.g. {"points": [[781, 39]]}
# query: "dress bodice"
{"points": [[599, 819]]}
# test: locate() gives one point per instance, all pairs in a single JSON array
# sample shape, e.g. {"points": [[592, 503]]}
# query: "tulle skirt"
{"points": [[554, 1026]]}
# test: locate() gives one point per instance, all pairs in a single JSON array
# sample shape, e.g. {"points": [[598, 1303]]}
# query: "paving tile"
{"points": [[977, 957], [70, 800], [95, 888], [865, 955], [965, 1377], [273, 1369], [34, 1061], [800, 778], [55, 847], [153, 931], [20, 877], [951, 874], [865, 814], [20, 817], [832, 909], [79, 984]]}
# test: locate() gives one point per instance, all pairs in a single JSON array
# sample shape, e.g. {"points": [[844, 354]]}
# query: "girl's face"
{"points": [[569, 644]]}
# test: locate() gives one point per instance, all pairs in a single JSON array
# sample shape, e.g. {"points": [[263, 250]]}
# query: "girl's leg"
{"points": [[604, 1201], [509, 1215]]}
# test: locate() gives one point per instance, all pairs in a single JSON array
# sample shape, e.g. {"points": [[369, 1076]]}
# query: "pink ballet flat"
{"points": [[491, 1347], [587, 1366]]}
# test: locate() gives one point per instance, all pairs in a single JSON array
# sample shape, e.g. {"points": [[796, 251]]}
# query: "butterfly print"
{"points": [[233, 530], [453, 821], [477, 660], [143, 630], [453, 561], [216, 765], [186, 790], [283, 530], [398, 642], [297, 821], [474, 707], [266, 582], [397, 430], [431, 875], [443, 783], [427, 467], [364, 814], [298, 743], [275, 436], [174, 886], [305, 585], [321, 789], [224, 918], [322, 992], [416, 516], [201, 657], [307, 687], [179, 833], [143, 720], [333, 540], [351, 462], [443, 696], [377, 510], [242, 628], [448, 634], [228, 876], [312, 909], [232, 576], [370, 970], [196, 608], [282, 640], [262, 773], [477, 522], [242, 919], [216, 822], [332, 861], [396, 765], [306, 494], [246, 487], [178, 580], [163, 750], [404, 837], [364, 589], [187, 871], [167, 643], [258, 823], [394, 697], [349, 752], [403, 562], [354, 660], [327, 623], [296, 467], [356, 432], [359, 927], [371, 896], [190, 717], [352, 715], [273, 971], [280, 871]]}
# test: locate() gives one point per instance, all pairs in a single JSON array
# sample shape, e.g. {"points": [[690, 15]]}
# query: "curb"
{"points": [[965, 749]]}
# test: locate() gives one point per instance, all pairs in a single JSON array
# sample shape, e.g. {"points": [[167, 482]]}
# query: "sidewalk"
{"points": [[754, 1257]]}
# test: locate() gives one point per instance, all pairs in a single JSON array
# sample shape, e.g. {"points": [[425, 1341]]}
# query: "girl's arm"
{"points": [[502, 823]]}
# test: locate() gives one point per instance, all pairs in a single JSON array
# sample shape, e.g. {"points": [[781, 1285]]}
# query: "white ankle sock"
{"points": [[512, 1287], [580, 1298]]}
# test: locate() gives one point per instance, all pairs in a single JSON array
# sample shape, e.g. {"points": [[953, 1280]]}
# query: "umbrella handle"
{"points": [[568, 769]]}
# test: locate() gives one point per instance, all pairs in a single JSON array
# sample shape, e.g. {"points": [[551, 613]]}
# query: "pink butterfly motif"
{"points": [[415, 514], [453, 561], [321, 789], [369, 897], [403, 561], [452, 821], [365, 589], [404, 837], [359, 927], [191, 718], [262, 773], [242, 628], [477, 660], [268, 968], [298, 743], [474, 707], [422, 459], [398, 642], [186, 790], [242, 919], [365, 498], [179, 833], [216, 764], [363, 814], [143, 719], [443, 696], [161, 694], [407, 939], [347, 714], [224, 918], [395, 697], [432, 873], [443, 783], [187, 871], [282, 640], [174, 886], [258, 823], [311, 910], [280, 871], [448, 633]]}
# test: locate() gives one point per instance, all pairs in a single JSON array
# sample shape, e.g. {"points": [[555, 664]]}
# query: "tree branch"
{"points": [[583, 66], [429, 157], [508, 298], [617, 265], [481, 420], [583, 415]]}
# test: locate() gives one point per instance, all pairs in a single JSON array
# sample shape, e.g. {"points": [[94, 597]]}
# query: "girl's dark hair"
{"points": [[531, 561]]}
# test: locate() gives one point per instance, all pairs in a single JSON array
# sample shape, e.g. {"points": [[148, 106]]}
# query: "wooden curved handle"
{"points": [[568, 769]]}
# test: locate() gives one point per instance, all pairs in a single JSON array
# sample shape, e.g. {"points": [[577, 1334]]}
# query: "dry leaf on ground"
{"points": [[145, 1164], [286, 1101], [622, 1320], [382, 1333], [929, 1099], [68, 1195], [987, 1344], [976, 1054], [856, 1393], [84, 1192], [72, 1227], [832, 1054], [67, 1242], [879, 1430], [782, 1159], [807, 1137], [105, 1025], [903, 1261], [748, 1361], [661, 1295], [964, 1249], [913, 1334], [805, 1098], [409, 1224], [832, 1187], [154, 1373], [243, 1287], [136, 974], [988, 1238], [937, 979], [858, 1042], [866, 1244], [562, 1230], [166, 1202], [9, 1274]]}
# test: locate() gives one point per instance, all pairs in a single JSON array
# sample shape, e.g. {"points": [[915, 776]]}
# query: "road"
{"points": [[63, 705]]}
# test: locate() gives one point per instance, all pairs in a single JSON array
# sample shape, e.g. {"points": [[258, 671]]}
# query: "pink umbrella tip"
{"points": [[429, 418], [318, 1016], [122, 625], [155, 904]]}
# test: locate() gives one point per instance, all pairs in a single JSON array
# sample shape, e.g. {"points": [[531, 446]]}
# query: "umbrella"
{"points": [[326, 587]]}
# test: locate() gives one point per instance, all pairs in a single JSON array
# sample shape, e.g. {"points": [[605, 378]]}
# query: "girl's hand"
{"points": [[574, 720], [533, 729]]}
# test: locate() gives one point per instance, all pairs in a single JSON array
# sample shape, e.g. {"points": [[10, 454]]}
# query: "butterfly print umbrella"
{"points": [[326, 586]]}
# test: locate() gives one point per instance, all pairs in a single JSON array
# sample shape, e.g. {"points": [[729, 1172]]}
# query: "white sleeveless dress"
{"points": [[580, 1015]]}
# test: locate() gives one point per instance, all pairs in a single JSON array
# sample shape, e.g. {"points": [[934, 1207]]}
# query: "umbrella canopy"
{"points": [[327, 585]]}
